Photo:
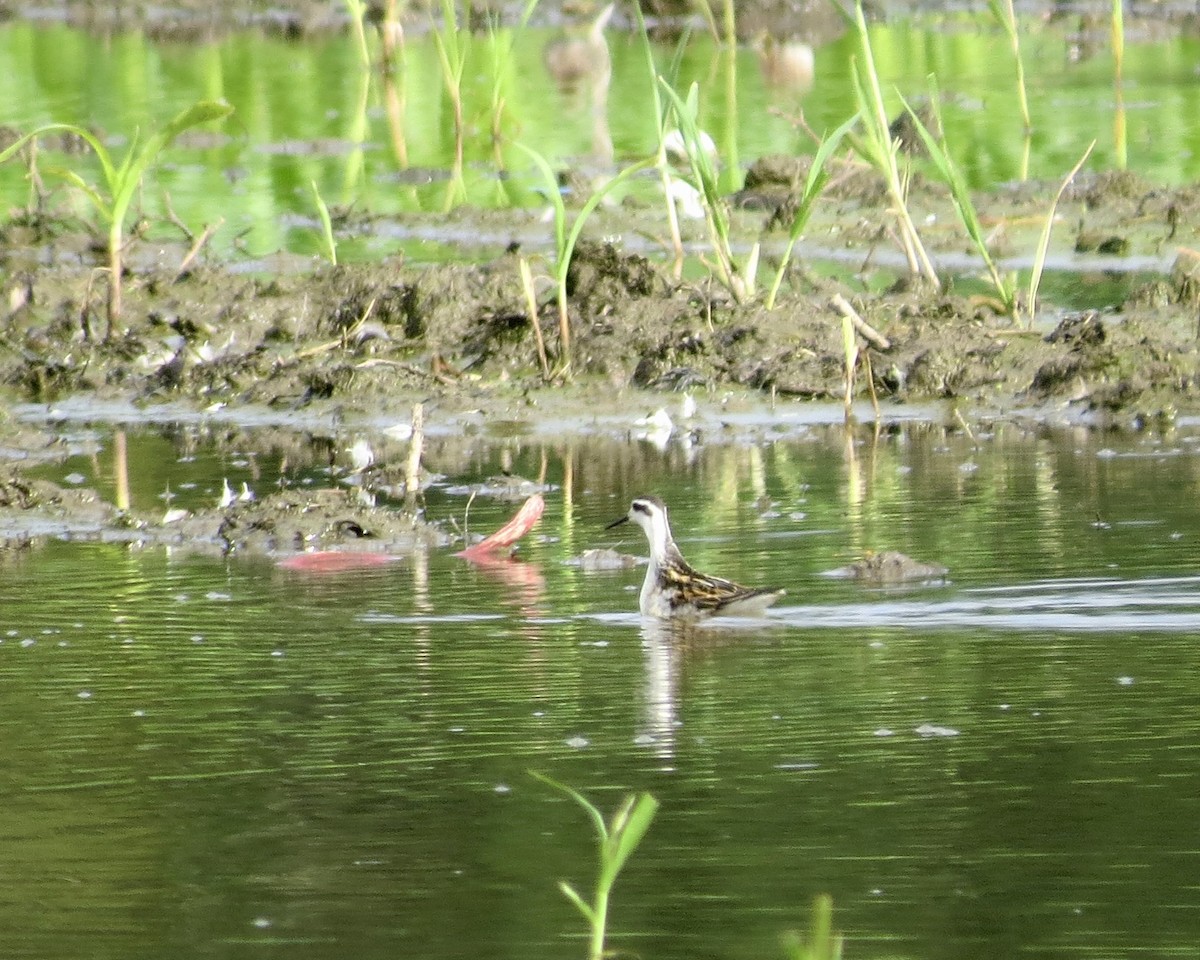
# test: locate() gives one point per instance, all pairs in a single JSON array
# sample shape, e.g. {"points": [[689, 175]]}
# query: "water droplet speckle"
{"points": [[933, 730]]}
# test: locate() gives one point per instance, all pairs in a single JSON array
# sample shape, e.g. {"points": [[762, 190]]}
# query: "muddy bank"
{"points": [[360, 335], [358, 342]]}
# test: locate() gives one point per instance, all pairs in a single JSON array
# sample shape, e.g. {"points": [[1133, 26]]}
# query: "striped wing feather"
{"points": [[687, 586]]}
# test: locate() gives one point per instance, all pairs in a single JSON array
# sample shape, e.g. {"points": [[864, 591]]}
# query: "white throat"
{"points": [[658, 533]]}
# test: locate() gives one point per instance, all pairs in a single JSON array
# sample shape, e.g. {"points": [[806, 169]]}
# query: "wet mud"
{"points": [[361, 334]]}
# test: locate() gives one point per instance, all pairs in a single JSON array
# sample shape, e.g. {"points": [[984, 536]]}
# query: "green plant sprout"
{"points": [[821, 943], [818, 176], [565, 240], [960, 194], [616, 840], [739, 281], [326, 224], [1118, 39], [121, 181], [880, 149]]}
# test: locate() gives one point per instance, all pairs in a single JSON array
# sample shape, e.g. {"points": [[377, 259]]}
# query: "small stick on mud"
{"points": [[205, 234], [310, 352], [174, 220], [412, 469], [865, 330], [395, 364]]}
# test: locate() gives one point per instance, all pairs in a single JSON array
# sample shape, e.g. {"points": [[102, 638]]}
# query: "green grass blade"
{"points": [[552, 186], [202, 111], [124, 181], [595, 815], [818, 176], [570, 893], [326, 224], [629, 827], [595, 200], [98, 200], [817, 173], [98, 148], [687, 116], [960, 195], [1039, 258], [821, 943]]}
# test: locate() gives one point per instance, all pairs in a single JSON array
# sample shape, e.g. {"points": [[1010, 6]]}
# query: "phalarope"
{"points": [[673, 588]]}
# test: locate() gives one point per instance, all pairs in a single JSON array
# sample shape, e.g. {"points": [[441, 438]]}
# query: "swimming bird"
{"points": [[673, 588]]}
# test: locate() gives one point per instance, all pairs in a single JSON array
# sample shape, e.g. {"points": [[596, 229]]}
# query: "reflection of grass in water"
{"points": [[1120, 134], [500, 46], [1004, 13], [357, 11], [453, 45], [1006, 16]]}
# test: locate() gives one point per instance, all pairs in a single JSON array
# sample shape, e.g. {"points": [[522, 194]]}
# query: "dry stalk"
{"points": [[197, 245], [865, 330], [531, 311], [412, 468]]}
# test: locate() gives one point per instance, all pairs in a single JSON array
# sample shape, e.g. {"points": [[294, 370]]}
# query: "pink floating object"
{"points": [[521, 523], [334, 561]]}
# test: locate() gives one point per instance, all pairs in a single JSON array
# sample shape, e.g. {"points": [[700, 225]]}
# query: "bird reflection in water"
{"points": [[580, 65]]}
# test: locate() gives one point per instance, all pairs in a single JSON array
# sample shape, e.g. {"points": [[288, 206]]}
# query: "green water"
{"points": [[309, 113], [218, 758]]}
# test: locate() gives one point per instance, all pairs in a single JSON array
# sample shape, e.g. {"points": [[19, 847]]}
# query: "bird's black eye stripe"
{"points": [[640, 506]]}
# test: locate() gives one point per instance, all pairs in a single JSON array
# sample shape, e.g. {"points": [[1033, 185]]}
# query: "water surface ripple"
{"points": [[215, 757]]}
